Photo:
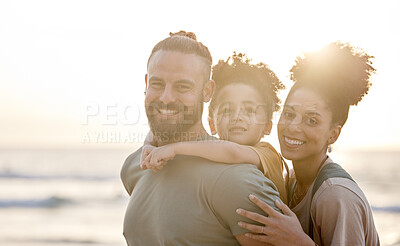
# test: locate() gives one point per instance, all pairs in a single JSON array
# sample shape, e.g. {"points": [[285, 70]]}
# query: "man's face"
{"points": [[174, 96]]}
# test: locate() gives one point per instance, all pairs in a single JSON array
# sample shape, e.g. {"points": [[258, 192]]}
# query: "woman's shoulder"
{"points": [[340, 192]]}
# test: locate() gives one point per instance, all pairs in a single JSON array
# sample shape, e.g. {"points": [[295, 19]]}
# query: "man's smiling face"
{"points": [[174, 94]]}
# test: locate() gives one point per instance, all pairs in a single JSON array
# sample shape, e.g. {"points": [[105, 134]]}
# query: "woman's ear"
{"points": [[212, 127], [268, 128], [335, 132], [208, 90]]}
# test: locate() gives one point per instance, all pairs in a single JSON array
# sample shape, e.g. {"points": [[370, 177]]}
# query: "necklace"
{"points": [[299, 194]]}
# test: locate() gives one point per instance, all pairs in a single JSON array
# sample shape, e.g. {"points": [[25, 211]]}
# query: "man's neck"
{"points": [[192, 134]]}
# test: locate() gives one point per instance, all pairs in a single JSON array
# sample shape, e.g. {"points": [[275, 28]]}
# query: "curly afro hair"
{"points": [[238, 69], [339, 73]]}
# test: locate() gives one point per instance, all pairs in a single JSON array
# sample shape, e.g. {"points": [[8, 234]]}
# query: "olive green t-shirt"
{"points": [[191, 201]]}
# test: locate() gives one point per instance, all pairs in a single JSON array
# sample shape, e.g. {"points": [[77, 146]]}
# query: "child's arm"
{"points": [[148, 145], [218, 151]]}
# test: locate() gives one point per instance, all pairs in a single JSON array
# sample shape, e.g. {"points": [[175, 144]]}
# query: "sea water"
{"points": [[75, 197]]}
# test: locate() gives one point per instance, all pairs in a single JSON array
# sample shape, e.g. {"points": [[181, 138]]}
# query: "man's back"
{"points": [[192, 201]]}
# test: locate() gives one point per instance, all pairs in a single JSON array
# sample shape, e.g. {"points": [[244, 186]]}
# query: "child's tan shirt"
{"points": [[272, 166]]}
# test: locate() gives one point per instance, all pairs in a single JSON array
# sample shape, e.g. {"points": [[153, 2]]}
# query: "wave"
{"points": [[59, 241], [387, 209], [13, 175], [50, 202]]}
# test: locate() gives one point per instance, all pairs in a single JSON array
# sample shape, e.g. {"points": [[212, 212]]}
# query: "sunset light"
{"points": [[72, 77]]}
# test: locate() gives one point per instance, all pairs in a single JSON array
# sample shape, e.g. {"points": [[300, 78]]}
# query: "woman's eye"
{"points": [[311, 121], [224, 110], [288, 114]]}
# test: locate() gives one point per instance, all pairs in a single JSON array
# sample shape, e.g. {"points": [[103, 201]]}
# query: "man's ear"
{"points": [[208, 90], [268, 128], [212, 127], [335, 132], [145, 81]]}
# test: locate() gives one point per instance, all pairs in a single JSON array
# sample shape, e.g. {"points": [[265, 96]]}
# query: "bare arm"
{"points": [[216, 150], [219, 151]]}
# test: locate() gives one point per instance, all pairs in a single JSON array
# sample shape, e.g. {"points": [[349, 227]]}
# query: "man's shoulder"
{"points": [[134, 155], [245, 177], [220, 168], [128, 168]]}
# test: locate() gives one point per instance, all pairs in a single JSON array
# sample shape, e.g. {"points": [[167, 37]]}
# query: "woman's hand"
{"points": [[279, 229], [156, 158]]}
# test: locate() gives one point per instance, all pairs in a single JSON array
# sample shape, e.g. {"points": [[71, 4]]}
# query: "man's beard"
{"points": [[174, 130]]}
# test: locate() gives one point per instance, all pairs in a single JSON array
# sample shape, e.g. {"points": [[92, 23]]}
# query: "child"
{"points": [[240, 112]]}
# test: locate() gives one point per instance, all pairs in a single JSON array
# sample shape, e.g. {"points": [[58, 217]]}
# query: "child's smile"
{"points": [[240, 114]]}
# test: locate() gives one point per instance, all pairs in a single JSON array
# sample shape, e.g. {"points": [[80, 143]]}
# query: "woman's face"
{"points": [[304, 128]]}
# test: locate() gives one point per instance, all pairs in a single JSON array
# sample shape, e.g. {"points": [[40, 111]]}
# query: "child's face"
{"points": [[240, 115]]}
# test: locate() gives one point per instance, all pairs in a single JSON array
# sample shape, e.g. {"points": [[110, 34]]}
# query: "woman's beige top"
{"points": [[340, 212]]}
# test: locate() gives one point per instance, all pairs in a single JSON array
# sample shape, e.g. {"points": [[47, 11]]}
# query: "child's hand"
{"points": [[158, 157], [147, 148]]}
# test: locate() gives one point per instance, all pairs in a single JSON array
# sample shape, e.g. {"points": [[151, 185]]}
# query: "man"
{"points": [[192, 201]]}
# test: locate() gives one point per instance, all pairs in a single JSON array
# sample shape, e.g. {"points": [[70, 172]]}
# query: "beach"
{"points": [[75, 197]]}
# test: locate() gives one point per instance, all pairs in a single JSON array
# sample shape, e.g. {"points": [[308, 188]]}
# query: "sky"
{"points": [[72, 72]]}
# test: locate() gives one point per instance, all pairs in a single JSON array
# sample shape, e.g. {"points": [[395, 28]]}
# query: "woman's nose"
{"points": [[294, 124]]}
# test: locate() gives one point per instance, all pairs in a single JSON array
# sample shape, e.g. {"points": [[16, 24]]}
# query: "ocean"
{"points": [[75, 197]]}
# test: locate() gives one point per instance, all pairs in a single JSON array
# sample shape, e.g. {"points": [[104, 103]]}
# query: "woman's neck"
{"points": [[306, 170]]}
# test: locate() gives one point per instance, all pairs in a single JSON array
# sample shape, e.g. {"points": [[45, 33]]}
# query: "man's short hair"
{"points": [[185, 42]]}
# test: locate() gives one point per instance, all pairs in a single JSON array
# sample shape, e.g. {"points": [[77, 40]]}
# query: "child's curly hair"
{"points": [[238, 69]]}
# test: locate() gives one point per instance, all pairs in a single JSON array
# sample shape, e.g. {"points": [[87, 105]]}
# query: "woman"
{"points": [[328, 206]]}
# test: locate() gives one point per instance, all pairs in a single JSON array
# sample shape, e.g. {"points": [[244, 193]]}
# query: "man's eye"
{"points": [[156, 85], [182, 88], [250, 110]]}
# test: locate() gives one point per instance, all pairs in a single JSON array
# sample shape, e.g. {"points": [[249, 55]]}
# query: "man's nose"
{"points": [[168, 95]]}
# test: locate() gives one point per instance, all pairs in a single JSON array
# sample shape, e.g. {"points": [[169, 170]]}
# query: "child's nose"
{"points": [[237, 115]]}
